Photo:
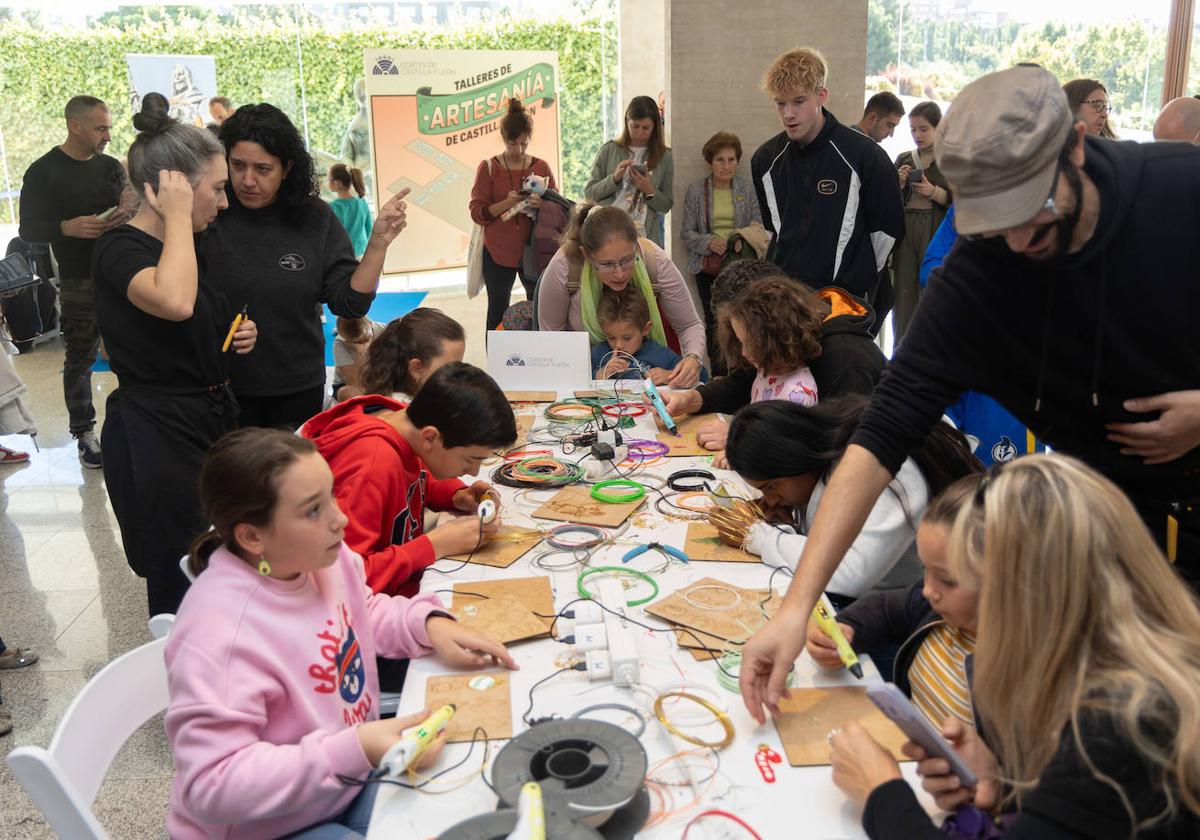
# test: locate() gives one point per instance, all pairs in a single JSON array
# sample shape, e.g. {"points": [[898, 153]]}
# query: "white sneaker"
{"points": [[89, 450]]}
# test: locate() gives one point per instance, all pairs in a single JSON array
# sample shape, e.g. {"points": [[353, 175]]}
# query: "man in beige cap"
{"points": [[1179, 120], [1071, 298]]}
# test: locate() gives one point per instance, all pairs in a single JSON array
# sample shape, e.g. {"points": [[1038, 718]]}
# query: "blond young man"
{"points": [[829, 193]]}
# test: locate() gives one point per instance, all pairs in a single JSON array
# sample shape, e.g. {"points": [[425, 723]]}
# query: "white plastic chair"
{"points": [[63, 779], [161, 624]]}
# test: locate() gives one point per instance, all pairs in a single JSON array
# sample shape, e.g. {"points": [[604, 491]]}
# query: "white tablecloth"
{"points": [[802, 803]]}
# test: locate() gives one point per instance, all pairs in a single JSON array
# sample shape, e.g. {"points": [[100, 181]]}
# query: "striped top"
{"points": [[938, 675]]}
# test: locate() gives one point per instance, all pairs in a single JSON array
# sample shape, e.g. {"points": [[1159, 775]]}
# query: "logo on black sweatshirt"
{"points": [[827, 187], [292, 262]]}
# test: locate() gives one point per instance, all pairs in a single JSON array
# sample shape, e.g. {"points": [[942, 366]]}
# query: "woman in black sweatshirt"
{"points": [[280, 252], [1086, 677]]}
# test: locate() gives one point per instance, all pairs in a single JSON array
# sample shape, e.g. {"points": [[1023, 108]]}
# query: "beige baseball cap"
{"points": [[998, 146]]}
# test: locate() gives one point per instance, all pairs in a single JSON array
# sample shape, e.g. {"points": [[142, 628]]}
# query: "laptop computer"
{"points": [[539, 361]]}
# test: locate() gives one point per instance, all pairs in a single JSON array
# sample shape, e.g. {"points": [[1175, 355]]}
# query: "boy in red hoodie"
{"points": [[391, 461]]}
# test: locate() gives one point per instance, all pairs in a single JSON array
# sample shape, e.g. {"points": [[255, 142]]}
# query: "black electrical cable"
{"points": [[352, 782], [463, 564], [674, 479]]}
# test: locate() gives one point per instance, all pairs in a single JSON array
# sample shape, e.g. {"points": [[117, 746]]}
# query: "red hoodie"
{"points": [[382, 487]]}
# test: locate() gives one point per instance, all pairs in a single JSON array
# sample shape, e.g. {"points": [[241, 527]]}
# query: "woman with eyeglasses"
{"points": [[1089, 103], [603, 254]]}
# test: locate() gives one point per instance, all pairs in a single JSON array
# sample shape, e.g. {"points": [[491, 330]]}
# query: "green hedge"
{"points": [[256, 61]]}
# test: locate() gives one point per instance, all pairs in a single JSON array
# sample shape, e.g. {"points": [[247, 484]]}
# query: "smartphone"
{"points": [[640, 167], [900, 711], [107, 214], [916, 176]]}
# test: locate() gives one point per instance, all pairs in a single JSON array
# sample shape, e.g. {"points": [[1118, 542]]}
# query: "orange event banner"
{"points": [[435, 117]]}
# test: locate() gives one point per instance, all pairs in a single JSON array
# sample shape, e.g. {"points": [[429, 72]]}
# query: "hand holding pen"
{"points": [[242, 336]]}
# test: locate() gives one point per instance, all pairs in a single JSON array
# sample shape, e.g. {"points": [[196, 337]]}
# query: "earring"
{"points": [[264, 568]]}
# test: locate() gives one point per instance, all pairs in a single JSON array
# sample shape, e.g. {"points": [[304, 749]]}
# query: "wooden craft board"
{"points": [[531, 396], [508, 609], [488, 707], [524, 426], [684, 445], [807, 716], [575, 504], [499, 554], [735, 624], [704, 543]]}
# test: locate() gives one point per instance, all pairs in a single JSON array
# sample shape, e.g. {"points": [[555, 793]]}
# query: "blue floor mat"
{"points": [[388, 306]]}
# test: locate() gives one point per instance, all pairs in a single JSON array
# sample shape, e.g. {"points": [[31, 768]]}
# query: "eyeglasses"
{"points": [[610, 266], [1101, 105]]}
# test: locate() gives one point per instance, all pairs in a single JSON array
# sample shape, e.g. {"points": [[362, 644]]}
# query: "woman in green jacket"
{"points": [[635, 172]]}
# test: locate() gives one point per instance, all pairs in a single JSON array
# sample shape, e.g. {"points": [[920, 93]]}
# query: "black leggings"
{"points": [[290, 410], [498, 279]]}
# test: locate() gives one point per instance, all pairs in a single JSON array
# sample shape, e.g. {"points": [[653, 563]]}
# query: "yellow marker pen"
{"points": [[413, 742], [237, 322], [824, 616]]}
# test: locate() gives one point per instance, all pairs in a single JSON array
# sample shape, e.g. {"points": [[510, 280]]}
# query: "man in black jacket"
{"points": [[1070, 299], [829, 194]]}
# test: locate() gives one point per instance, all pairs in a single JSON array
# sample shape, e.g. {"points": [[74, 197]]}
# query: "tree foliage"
{"points": [[256, 51], [941, 56]]}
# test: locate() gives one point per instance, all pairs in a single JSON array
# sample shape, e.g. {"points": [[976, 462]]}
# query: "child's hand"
{"points": [[712, 434], [461, 535], [822, 649], [614, 367], [379, 736], [679, 403], [464, 647], [467, 499], [659, 376], [720, 462], [859, 763]]}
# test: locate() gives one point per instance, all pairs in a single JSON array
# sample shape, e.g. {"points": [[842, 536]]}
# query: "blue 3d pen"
{"points": [[656, 401]]}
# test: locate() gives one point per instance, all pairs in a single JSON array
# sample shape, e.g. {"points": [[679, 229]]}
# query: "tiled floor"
{"points": [[66, 591]]}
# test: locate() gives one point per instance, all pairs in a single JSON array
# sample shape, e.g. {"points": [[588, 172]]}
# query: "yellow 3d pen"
{"points": [[531, 814], [824, 616], [414, 742]]}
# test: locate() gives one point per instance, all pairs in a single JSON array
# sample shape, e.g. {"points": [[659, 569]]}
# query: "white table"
{"points": [[802, 803]]}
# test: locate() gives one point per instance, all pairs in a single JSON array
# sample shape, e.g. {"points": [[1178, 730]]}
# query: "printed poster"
{"points": [[186, 80], [435, 115]]}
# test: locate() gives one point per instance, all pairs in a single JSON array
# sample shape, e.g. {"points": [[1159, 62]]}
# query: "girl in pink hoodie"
{"points": [[271, 662]]}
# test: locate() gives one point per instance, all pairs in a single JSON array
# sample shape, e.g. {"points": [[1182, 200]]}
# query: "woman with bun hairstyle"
{"points": [[168, 333], [281, 252], [352, 210], [497, 190], [636, 171]]}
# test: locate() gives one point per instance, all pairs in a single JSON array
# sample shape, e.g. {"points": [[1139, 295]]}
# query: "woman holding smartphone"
{"points": [[496, 191], [926, 196], [636, 171], [1086, 677]]}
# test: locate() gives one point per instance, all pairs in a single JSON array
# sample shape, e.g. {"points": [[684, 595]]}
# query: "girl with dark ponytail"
{"points": [[497, 189], [787, 451], [273, 715], [167, 330], [352, 211]]}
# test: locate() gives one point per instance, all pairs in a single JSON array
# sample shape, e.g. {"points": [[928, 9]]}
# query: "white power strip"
{"points": [[619, 658]]}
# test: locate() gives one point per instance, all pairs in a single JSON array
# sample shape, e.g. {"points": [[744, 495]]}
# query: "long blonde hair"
{"points": [[1079, 611]]}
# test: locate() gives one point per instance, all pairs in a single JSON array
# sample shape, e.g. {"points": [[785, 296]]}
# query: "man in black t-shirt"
{"points": [[70, 196]]}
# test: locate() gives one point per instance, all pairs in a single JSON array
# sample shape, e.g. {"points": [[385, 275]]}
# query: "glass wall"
{"points": [[303, 57], [930, 49]]}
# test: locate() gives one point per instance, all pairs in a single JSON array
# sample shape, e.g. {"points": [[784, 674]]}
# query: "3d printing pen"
{"points": [[413, 742], [486, 511], [824, 616], [531, 814], [656, 401]]}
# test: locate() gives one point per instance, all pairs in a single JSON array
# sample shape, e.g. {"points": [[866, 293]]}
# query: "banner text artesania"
{"points": [[445, 113]]}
